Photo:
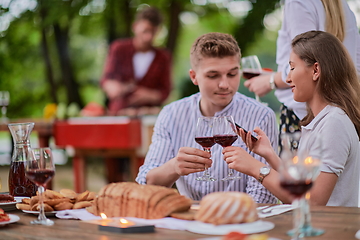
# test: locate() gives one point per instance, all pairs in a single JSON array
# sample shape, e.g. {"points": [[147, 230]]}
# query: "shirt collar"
{"points": [[318, 118], [223, 112]]}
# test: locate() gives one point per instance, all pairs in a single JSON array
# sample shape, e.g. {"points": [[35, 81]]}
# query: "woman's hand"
{"points": [[239, 159], [259, 85], [261, 147]]}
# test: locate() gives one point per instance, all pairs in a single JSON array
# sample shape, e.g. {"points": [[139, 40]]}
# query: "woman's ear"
{"points": [[192, 75], [316, 71]]}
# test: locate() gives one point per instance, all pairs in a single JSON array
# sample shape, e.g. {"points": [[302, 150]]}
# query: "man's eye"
{"points": [[212, 76], [232, 75]]}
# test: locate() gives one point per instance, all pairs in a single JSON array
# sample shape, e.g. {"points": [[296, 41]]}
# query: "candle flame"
{"points": [[308, 160], [123, 221], [295, 160], [103, 215]]}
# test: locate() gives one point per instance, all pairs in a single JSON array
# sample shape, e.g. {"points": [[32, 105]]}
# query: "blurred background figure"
{"points": [[136, 76], [136, 73], [333, 16]]}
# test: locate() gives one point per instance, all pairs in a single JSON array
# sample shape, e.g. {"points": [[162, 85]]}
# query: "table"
{"points": [[98, 136], [338, 222]]}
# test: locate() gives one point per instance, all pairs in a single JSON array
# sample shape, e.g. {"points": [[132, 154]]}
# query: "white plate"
{"points": [[246, 228], [10, 206], [13, 218], [48, 214]]}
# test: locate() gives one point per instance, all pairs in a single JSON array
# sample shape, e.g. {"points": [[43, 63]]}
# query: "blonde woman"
{"points": [[333, 16]]}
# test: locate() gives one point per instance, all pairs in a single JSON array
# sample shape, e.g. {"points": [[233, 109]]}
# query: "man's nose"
{"points": [[224, 82]]}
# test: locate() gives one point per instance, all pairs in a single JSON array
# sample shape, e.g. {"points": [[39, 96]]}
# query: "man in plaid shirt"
{"points": [[136, 73]]}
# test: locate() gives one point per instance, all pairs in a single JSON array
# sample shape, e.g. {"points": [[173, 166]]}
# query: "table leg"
{"points": [[133, 165], [43, 140], [79, 173]]}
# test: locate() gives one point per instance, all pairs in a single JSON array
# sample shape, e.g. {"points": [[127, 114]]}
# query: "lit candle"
{"points": [[104, 220], [125, 223]]}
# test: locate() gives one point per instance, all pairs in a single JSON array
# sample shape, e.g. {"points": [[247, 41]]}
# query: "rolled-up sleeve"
{"points": [[161, 148]]}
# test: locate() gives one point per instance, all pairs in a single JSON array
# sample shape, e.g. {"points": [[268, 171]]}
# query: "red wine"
{"points": [[248, 75], [297, 188], [40, 177], [225, 140], [206, 142], [19, 185]]}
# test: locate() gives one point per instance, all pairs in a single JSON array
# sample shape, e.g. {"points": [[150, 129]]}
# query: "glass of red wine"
{"points": [[40, 169], [204, 137], [225, 135], [300, 164], [251, 67]]}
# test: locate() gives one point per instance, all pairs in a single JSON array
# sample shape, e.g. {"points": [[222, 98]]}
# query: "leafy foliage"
{"points": [[55, 52]]}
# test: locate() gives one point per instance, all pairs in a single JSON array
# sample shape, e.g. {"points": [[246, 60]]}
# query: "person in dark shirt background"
{"points": [[136, 73]]}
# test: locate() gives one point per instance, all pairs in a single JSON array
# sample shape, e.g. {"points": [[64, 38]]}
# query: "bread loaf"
{"points": [[128, 199], [226, 208]]}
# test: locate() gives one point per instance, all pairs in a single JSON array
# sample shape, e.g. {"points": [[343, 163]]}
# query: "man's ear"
{"points": [[316, 71], [192, 75]]}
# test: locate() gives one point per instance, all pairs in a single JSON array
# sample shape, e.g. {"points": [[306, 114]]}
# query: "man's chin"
{"points": [[224, 102]]}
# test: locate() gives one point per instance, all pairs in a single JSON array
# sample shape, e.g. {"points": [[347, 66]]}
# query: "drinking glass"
{"points": [[299, 167], [4, 102], [40, 169], [251, 67], [225, 135], [310, 147], [204, 137]]}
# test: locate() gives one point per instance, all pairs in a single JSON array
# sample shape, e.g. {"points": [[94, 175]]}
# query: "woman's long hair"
{"points": [[338, 83], [335, 18]]}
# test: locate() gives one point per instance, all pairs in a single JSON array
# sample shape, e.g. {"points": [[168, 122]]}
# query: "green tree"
{"points": [[56, 51]]}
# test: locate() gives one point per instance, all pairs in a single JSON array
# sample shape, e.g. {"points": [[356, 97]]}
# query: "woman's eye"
{"points": [[292, 69]]}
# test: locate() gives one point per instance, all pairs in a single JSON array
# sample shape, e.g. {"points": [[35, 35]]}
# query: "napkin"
{"points": [[168, 222], [275, 210], [81, 214], [357, 234]]}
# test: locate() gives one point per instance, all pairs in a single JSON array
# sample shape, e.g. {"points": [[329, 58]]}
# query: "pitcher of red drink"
{"points": [[19, 185]]}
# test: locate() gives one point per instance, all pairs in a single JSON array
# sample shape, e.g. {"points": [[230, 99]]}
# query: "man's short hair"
{"points": [[150, 14], [213, 45]]}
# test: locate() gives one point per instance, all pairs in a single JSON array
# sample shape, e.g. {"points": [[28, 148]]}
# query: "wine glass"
{"points": [[204, 137], [40, 169], [4, 102], [251, 67], [300, 164], [225, 135], [310, 146]]}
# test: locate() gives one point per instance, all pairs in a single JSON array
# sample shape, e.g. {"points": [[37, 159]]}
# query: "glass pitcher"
{"points": [[19, 185]]}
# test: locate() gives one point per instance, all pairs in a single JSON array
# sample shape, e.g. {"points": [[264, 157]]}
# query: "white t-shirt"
{"points": [[301, 16], [141, 63], [340, 152]]}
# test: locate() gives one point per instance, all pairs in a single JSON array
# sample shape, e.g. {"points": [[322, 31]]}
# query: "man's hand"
{"points": [[188, 160], [144, 96], [191, 160], [115, 89]]}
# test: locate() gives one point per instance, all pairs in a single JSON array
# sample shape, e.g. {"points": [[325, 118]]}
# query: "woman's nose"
{"points": [[288, 78]]}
